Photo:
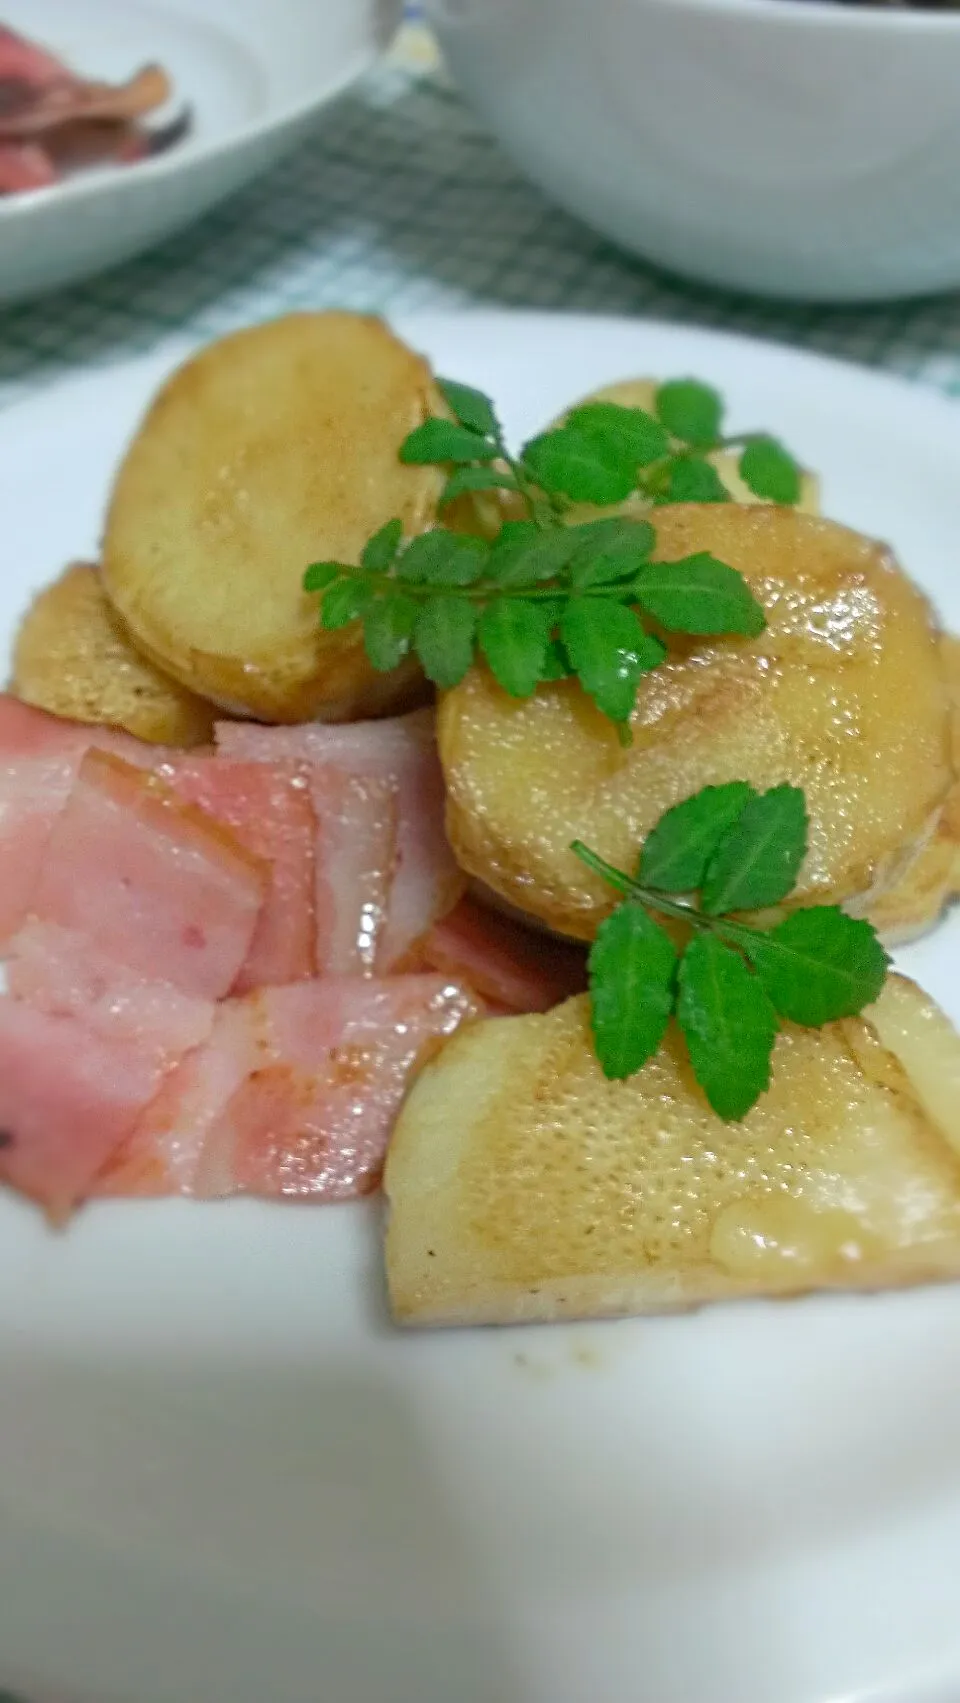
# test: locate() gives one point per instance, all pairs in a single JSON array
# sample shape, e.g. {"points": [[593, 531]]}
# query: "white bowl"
{"points": [[256, 73], [795, 148]]}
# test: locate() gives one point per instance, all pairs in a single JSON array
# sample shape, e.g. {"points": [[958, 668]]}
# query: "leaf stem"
{"points": [[545, 510], [645, 895], [735, 933], [533, 591]]}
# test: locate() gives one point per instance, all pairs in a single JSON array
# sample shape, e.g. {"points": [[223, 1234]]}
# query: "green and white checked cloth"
{"points": [[402, 201]]}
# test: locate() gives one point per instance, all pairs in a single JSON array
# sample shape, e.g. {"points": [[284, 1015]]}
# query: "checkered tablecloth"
{"points": [[403, 201]]}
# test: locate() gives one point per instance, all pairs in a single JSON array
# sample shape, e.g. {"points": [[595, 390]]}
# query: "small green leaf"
{"points": [[592, 571], [424, 554], [380, 551], [770, 472], [464, 565], [444, 639], [548, 554], [690, 479], [631, 433], [699, 595], [608, 556], [632, 974], [556, 663], [568, 463], [504, 563], [819, 964], [636, 539], [605, 534], [758, 861], [440, 440], [525, 555], [610, 651], [471, 407], [467, 479], [514, 636], [729, 1025], [676, 852], [388, 630], [343, 602], [442, 558], [321, 574], [691, 411]]}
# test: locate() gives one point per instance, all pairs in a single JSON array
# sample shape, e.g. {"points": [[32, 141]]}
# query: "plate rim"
{"points": [[885, 387]]}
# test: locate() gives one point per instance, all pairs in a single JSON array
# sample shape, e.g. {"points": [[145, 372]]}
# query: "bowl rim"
{"points": [[811, 14], [775, 14], [385, 17]]}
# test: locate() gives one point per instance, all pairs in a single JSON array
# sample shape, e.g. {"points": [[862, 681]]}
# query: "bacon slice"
{"points": [[106, 141], [68, 1097], [40, 757], [73, 147], [295, 1094], [84, 1048], [70, 99], [402, 752], [164, 1152], [510, 966], [268, 808], [315, 1120], [62, 972], [159, 887], [356, 857]]}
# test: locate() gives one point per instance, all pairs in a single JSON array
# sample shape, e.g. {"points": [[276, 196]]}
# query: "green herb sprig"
{"points": [[727, 983], [547, 599], [605, 451]]}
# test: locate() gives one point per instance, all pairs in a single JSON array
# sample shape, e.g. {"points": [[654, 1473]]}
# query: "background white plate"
{"points": [[256, 75], [223, 1479]]}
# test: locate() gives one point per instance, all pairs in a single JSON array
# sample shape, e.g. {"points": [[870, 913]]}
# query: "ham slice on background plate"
{"points": [[53, 121], [32, 109]]}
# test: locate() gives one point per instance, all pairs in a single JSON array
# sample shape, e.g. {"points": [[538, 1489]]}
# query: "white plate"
{"points": [[256, 75], [223, 1479]]}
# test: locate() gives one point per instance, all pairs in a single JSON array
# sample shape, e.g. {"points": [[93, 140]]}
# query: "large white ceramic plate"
{"points": [[256, 74], [224, 1479]]}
